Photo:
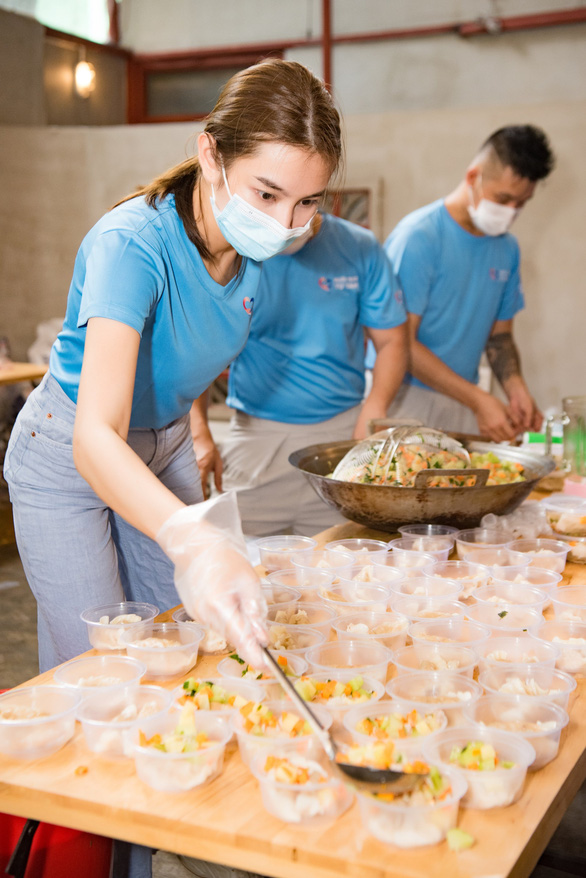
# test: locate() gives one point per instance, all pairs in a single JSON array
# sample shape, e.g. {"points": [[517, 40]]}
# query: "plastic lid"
{"points": [[566, 503]]}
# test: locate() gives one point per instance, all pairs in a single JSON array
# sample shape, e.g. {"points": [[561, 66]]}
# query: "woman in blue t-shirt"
{"points": [[101, 468]]}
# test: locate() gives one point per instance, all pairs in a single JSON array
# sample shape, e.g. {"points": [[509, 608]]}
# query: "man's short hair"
{"points": [[524, 148]]}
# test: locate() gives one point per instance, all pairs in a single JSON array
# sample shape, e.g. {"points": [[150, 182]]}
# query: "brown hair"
{"points": [[275, 100]]}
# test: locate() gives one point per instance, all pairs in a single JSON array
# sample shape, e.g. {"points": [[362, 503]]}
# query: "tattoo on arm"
{"points": [[503, 356]]}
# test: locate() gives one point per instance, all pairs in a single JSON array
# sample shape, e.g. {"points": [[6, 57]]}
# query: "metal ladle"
{"points": [[363, 777]]}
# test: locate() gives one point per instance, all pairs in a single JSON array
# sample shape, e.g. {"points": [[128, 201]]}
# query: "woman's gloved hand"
{"points": [[213, 576]]}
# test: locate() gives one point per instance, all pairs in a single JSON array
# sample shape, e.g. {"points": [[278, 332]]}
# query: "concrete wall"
{"points": [[74, 174], [37, 77]]}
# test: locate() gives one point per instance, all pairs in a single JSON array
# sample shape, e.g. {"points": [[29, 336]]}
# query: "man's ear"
{"points": [[472, 175], [209, 160]]}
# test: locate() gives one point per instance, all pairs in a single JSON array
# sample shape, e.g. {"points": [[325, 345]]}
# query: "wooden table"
{"points": [[225, 821], [13, 373]]}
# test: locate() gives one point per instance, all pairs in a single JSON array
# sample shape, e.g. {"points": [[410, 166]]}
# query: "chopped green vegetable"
{"points": [[503, 614], [237, 658], [458, 840]]}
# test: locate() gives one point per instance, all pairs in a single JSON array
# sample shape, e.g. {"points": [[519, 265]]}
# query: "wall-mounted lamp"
{"points": [[85, 78]]}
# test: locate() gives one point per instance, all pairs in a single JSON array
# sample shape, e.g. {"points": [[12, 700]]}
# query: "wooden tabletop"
{"points": [[13, 373], [226, 822]]}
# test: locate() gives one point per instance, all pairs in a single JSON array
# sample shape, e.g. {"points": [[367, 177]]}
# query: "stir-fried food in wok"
{"points": [[401, 468]]}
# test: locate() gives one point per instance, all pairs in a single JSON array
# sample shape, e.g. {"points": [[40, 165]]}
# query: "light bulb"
{"points": [[85, 78]]}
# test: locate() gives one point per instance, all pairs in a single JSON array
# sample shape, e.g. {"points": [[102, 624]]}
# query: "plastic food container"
{"points": [[497, 593], [442, 658], [523, 650], [429, 586], [538, 722], [36, 721], [232, 669], [428, 530], [486, 789], [480, 537], [576, 548], [167, 648], [294, 639], [547, 554], [362, 657], [470, 576], [505, 619], [378, 572], [340, 564], [212, 643], [419, 609], [313, 580], [427, 691], [408, 747], [278, 592], [569, 603], [276, 552], [279, 741], [460, 631], [364, 551], [177, 772], [108, 718], [498, 559], [440, 547], [244, 691], [349, 597], [566, 514], [107, 635], [309, 804], [104, 671], [405, 825], [530, 682], [407, 563], [536, 577], [339, 707], [390, 629], [569, 639], [316, 616]]}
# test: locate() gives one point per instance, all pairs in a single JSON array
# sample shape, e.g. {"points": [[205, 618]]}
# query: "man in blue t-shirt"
{"points": [[300, 379], [458, 268]]}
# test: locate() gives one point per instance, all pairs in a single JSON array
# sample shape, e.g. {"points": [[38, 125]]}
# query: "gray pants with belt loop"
{"points": [[78, 553]]}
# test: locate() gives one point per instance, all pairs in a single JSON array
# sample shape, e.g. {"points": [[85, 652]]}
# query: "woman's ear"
{"points": [[209, 161]]}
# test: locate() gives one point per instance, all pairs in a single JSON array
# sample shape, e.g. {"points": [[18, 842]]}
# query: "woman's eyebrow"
{"points": [[270, 185]]}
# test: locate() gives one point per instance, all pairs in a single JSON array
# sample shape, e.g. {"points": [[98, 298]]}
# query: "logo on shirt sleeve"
{"points": [[248, 304], [399, 297], [499, 274]]}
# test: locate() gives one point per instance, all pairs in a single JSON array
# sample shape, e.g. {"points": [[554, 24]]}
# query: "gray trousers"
{"points": [[273, 496]]}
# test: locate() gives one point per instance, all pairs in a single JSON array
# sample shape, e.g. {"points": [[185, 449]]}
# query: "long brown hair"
{"points": [[274, 100]]}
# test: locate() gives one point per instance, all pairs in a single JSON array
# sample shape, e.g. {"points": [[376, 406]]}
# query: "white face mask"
{"points": [[251, 232], [491, 218]]}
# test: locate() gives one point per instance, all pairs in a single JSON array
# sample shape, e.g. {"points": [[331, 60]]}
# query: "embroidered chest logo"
{"points": [[499, 274], [248, 304], [338, 284]]}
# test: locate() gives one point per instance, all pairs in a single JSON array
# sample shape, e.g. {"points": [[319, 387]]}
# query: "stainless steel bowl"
{"points": [[386, 508]]}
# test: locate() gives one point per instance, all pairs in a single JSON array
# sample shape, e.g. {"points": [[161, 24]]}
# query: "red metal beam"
{"points": [[524, 22], [327, 43]]}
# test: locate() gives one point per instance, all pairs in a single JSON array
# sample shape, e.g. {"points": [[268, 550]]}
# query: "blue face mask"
{"points": [[251, 232]]}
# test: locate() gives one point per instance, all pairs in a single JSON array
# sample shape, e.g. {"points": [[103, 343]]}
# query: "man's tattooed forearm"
{"points": [[503, 356]]}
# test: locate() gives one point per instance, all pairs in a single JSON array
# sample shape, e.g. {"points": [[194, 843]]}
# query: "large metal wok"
{"points": [[386, 508]]}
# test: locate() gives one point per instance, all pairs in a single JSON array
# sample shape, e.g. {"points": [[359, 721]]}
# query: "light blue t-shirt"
{"points": [[137, 266], [304, 359], [458, 282]]}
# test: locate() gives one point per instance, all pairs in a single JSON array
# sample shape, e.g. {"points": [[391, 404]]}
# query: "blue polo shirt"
{"points": [[137, 266], [304, 359], [459, 284]]}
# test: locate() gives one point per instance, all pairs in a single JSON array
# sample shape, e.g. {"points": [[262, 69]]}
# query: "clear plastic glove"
{"points": [[213, 576]]}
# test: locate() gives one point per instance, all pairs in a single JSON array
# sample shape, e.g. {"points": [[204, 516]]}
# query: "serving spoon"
{"points": [[364, 777]]}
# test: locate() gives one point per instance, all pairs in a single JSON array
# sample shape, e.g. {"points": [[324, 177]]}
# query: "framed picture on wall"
{"points": [[354, 205]]}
